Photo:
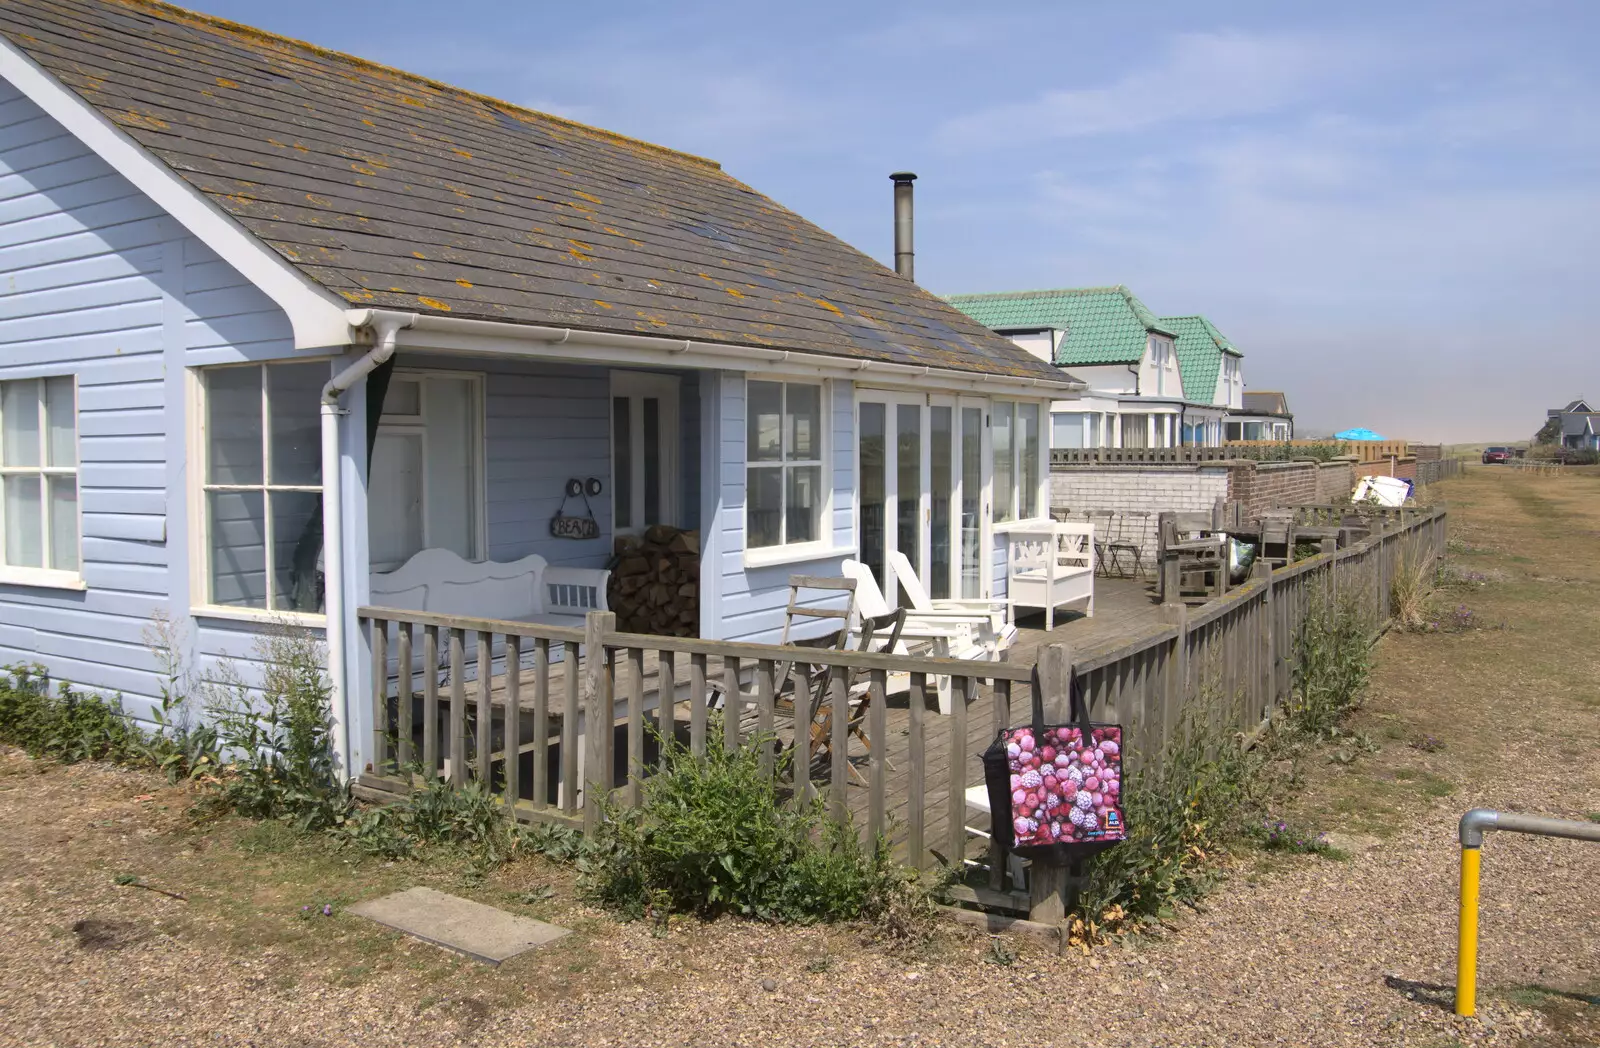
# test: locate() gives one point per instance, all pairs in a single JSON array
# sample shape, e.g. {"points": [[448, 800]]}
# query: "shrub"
{"points": [[715, 835], [278, 737], [67, 726], [1409, 595], [1182, 810], [1332, 662], [1322, 451], [1281, 836]]}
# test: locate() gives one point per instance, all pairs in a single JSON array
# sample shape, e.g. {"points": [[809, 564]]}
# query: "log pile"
{"points": [[655, 585]]}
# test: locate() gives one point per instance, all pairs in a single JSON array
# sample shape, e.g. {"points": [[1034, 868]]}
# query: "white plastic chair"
{"points": [[921, 604], [950, 634]]}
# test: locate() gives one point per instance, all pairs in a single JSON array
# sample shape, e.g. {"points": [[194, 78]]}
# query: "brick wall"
{"points": [[1336, 481], [1150, 490], [1262, 486]]}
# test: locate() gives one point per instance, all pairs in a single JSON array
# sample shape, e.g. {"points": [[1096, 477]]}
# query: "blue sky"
{"points": [[1392, 208]]}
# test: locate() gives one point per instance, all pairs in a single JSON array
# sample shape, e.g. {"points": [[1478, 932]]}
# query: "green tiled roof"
{"points": [[1103, 325], [1200, 347]]}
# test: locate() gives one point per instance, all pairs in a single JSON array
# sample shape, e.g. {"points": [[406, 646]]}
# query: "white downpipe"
{"points": [[385, 328]]}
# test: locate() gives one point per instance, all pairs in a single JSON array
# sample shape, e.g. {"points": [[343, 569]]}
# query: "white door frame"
{"points": [[635, 386], [892, 400]]}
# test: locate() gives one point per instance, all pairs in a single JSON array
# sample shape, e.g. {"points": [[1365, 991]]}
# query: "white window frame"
{"points": [[45, 576], [1041, 494], [200, 518], [476, 447], [783, 551]]}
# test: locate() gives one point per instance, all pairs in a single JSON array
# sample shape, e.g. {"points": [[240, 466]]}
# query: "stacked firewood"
{"points": [[655, 585]]}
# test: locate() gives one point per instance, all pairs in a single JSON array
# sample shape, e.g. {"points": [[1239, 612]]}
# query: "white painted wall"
{"points": [[1041, 344]]}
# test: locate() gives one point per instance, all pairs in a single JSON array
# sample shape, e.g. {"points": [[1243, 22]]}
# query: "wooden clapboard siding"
{"points": [[750, 601], [97, 282]]}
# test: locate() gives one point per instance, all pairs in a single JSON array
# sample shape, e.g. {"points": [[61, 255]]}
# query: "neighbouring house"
{"points": [[278, 321], [1136, 395], [1265, 415], [1576, 426], [1213, 378]]}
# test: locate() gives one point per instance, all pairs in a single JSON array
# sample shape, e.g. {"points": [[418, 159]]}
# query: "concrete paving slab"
{"points": [[470, 928]]}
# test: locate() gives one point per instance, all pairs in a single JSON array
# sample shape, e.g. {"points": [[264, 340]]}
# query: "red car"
{"points": [[1496, 455]]}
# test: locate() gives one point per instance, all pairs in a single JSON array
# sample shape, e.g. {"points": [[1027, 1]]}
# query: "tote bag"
{"points": [[1055, 790]]}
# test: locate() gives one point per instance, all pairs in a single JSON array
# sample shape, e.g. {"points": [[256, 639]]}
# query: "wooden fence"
{"points": [[444, 685]]}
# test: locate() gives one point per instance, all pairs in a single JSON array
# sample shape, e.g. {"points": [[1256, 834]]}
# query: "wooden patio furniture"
{"points": [[1189, 549], [875, 633]]}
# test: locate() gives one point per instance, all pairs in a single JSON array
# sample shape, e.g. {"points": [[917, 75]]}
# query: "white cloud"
{"points": [[1206, 76]]}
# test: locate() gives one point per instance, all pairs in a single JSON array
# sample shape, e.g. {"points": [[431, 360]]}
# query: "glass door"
{"points": [[644, 445], [974, 506], [922, 490]]}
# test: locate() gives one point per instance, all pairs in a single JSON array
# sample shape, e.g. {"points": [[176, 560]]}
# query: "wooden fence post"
{"points": [[1176, 693], [598, 715], [1050, 887]]}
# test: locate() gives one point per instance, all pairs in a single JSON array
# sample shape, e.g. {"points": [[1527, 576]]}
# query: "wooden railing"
{"points": [[448, 717], [442, 686]]}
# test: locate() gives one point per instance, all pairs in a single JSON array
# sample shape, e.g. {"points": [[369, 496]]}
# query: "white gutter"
{"points": [[385, 327], [681, 350]]}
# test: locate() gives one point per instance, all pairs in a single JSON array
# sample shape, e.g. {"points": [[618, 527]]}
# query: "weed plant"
{"points": [[715, 835], [1182, 811], [1332, 664], [66, 725]]}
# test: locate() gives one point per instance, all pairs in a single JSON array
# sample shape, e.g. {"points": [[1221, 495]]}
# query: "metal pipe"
{"points": [[385, 327], [1471, 830], [903, 254]]}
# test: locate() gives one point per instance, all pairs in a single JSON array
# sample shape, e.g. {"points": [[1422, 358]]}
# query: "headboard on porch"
{"points": [[526, 590]]}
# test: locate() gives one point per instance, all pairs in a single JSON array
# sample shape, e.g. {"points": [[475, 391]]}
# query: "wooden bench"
{"points": [[1049, 566], [527, 590]]}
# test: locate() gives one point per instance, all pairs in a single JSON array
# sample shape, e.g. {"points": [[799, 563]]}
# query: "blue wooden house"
{"points": [[276, 321]]}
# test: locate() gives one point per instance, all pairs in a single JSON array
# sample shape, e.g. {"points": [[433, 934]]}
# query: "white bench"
{"points": [[528, 590], [1048, 566]]}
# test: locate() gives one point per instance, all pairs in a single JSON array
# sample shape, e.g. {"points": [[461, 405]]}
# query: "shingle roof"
{"points": [[1200, 347], [392, 190], [1103, 325], [1264, 402]]}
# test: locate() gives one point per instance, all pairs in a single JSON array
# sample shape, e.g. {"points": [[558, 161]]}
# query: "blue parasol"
{"points": [[1361, 433]]}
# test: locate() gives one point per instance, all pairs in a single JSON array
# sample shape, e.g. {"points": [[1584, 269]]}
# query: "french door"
{"points": [[923, 482], [644, 450]]}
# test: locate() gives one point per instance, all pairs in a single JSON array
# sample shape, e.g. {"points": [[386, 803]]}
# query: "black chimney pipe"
{"points": [[902, 223]]}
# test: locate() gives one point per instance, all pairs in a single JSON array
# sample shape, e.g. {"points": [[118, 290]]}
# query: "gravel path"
{"points": [[1301, 951]]}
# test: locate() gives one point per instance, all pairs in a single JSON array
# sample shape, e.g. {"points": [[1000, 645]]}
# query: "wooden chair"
{"points": [[1277, 539], [1000, 629], [876, 633], [796, 609], [1183, 558], [949, 634]]}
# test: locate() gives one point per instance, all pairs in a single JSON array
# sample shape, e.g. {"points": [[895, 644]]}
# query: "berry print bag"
{"points": [[1055, 791]]}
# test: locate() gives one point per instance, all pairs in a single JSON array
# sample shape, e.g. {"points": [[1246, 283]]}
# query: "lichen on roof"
{"points": [[392, 190]]}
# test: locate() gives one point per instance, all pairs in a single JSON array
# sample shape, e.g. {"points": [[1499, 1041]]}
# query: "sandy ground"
{"points": [[1300, 950]]}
